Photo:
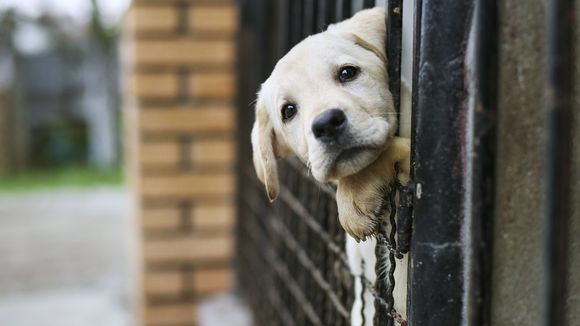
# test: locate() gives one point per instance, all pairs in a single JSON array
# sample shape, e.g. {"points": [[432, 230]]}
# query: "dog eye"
{"points": [[288, 111], [347, 73]]}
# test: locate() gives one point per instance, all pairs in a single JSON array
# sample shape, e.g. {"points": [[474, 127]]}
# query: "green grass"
{"points": [[80, 177]]}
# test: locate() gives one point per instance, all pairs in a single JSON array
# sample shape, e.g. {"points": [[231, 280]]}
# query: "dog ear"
{"points": [[367, 28], [265, 153]]}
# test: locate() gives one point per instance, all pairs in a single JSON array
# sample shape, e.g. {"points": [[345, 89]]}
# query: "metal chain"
{"points": [[362, 297], [385, 293]]}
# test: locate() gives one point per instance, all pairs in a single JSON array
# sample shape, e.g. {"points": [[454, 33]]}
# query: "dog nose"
{"points": [[328, 125]]}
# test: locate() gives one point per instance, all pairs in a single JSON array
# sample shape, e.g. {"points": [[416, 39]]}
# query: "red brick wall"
{"points": [[181, 151]]}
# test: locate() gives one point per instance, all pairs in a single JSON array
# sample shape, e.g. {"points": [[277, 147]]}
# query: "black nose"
{"points": [[328, 125]]}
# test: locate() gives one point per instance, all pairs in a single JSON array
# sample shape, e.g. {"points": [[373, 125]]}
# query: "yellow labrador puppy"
{"points": [[328, 102]]}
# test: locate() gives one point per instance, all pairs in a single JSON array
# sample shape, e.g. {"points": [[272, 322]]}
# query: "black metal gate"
{"points": [[291, 263]]}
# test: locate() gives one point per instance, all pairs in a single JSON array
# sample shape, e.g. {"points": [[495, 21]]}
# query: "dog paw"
{"points": [[361, 197], [400, 154], [359, 212]]}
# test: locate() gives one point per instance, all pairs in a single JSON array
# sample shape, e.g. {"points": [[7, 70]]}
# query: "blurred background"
{"points": [[111, 215]]}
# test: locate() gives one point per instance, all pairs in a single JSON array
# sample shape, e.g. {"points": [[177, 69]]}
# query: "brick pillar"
{"points": [[182, 151]]}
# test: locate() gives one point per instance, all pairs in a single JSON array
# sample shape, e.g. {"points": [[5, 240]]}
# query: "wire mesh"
{"points": [[293, 267]]}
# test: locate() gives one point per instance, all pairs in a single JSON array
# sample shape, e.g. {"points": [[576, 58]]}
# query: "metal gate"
{"points": [[291, 264]]}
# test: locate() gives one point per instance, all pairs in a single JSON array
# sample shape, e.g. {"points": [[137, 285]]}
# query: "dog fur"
{"points": [[363, 160]]}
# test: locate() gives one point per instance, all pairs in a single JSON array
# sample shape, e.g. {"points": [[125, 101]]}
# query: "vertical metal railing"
{"points": [[559, 123], [393, 44], [483, 108], [436, 250], [453, 161], [385, 282]]}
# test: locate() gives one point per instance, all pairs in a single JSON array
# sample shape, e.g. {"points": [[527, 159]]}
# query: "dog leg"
{"points": [[360, 197], [360, 200]]}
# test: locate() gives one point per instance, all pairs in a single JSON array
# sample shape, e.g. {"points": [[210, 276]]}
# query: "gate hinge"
{"points": [[405, 216]]}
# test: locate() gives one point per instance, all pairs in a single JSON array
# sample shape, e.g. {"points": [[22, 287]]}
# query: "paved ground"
{"points": [[224, 310], [65, 258]]}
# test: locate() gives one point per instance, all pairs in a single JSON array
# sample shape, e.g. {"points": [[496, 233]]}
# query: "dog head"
{"points": [[327, 101]]}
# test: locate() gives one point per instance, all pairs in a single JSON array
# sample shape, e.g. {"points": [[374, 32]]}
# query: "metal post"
{"points": [[559, 90], [393, 42], [453, 155], [483, 107], [343, 9]]}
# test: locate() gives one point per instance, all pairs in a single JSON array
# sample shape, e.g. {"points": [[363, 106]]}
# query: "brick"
{"points": [[212, 85], [155, 18], [213, 152], [163, 283], [188, 184], [213, 216], [165, 154], [190, 120], [156, 85], [188, 248], [161, 54], [211, 18], [171, 315], [212, 281], [184, 51], [161, 218]]}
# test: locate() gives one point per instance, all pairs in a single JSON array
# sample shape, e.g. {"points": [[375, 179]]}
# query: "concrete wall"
{"points": [[517, 255], [574, 282]]}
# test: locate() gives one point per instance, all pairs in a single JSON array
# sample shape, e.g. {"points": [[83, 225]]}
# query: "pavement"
{"points": [[65, 258], [223, 310]]}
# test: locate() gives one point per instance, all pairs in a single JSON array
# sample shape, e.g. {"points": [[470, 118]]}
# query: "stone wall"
{"points": [[517, 273]]}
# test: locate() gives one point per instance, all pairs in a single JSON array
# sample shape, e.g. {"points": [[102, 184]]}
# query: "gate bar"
{"points": [[384, 285], [483, 106], [559, 107], [393, 43], [453, 153]]}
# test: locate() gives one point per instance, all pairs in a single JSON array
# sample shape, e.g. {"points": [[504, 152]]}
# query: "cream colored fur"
{"points": [[306, 77]]}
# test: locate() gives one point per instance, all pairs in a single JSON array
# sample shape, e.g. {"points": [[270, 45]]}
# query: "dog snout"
{"points": [[328, 125]]}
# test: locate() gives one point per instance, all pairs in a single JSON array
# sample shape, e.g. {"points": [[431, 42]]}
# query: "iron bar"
{"points": [[283, 27], [393, 42], [483, 106], [310, 15], [385, 283], [559, 106], [342, 9], [295, 22], [453, 153], [368, 3]]}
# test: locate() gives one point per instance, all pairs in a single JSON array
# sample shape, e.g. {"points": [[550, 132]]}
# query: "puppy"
{"points": [[328, 102]]}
